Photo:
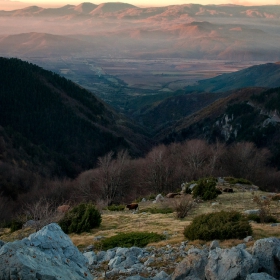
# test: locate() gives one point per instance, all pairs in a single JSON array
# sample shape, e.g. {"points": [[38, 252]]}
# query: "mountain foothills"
{"points": [[52, 126], [250, 114], [165, 112]]}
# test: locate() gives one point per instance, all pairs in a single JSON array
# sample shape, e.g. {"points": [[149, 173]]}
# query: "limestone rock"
{"points": [[248, 238], [192, 266], [252, 211], [267, 251], [2, 243], [214, 244], [46, 254], [260, 276], [230, 264]]}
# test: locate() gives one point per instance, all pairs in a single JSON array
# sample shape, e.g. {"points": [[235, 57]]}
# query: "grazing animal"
{"points": [[63, 208], [229, 190], [132, 206], [172, 195]]}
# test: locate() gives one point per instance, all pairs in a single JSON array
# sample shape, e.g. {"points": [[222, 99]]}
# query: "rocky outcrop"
{"points": [[192, 267], [46, 254], [260, 276], [230, 264], [267, 251]]}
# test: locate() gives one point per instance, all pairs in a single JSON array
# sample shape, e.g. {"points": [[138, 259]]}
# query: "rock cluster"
{"points": [[50, 254], [46, 254], [261, 262], [133, 261]]}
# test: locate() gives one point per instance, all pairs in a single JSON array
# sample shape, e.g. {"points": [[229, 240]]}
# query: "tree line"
{"points": [[118, 178]]}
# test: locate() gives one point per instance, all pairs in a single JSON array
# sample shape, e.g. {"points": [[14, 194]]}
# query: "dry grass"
{"points": [[126, 221]]}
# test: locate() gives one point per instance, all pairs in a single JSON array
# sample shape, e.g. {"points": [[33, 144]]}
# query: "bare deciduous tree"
{"points": [[42, 212]]}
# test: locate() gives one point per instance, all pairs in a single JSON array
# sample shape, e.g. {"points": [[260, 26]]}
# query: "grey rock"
{"points": [[214, 244], [2, 243], [110, 254], [192, 266], [252, 211], [100, 256], [161, 276], [248, 238], [30, 224], [275, 225], [159, 198], [259, 276], [144, 199], [47, 254], [241, 246], [149, 261], [113, 263], [129, 261], [98, 238], [136, 277], [91, 257], [230, 264], [267, 251], [121, 251]]}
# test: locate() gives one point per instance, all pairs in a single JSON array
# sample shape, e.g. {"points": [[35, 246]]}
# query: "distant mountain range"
{"points": [[54, 127], [128, 11]]}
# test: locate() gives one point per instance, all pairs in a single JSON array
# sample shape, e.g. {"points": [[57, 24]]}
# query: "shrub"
{"points": [[139, 239], [206, 189], [219, 225], [165, 210], [116, 207], [182, 206], [234, 181], [81, 218], [16, 225], [257, 218]]}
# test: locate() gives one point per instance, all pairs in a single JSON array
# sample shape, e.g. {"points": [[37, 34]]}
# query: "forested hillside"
{"points": [[246, 115], [54, 127]]}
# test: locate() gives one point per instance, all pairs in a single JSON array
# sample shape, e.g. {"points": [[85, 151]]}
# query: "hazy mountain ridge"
{"points": [[64, 123], [264, 75], [124, 10]]}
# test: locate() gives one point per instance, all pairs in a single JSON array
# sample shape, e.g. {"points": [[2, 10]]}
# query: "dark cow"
{"points": [[132, 206], [228, 190]]}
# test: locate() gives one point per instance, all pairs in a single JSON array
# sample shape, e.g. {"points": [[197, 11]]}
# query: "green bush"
{"points": [[257, 218], [206, 189], [138, 239], [16, 225], [219, 225], [81, 218], [166, 210], [116, 207], [234, 181]]}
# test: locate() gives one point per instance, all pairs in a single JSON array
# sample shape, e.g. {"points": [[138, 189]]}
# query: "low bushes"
{"points": [[219, 225], [233, 181], [138, 239], [206, 189], [81, 218], [116, 207], [165, 210], [257, 218]]}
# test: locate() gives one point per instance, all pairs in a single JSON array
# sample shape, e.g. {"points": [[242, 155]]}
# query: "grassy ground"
{"points": [[126, 221]]}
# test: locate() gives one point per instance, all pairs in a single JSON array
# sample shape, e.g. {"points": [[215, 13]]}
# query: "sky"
{"points": [[9, 5]]}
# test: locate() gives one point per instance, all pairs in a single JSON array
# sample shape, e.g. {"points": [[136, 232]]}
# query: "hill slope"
{"points": [[51, 122], [264, 75], [250, 114]]}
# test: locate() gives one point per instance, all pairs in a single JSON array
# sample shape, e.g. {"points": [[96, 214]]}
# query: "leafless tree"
{"points": [[42, 212]]}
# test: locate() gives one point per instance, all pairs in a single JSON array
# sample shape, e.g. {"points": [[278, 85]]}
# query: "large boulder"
{"points": [[267, 251], [46, 254], [260, 276], [191, 267], [230, 264]]}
